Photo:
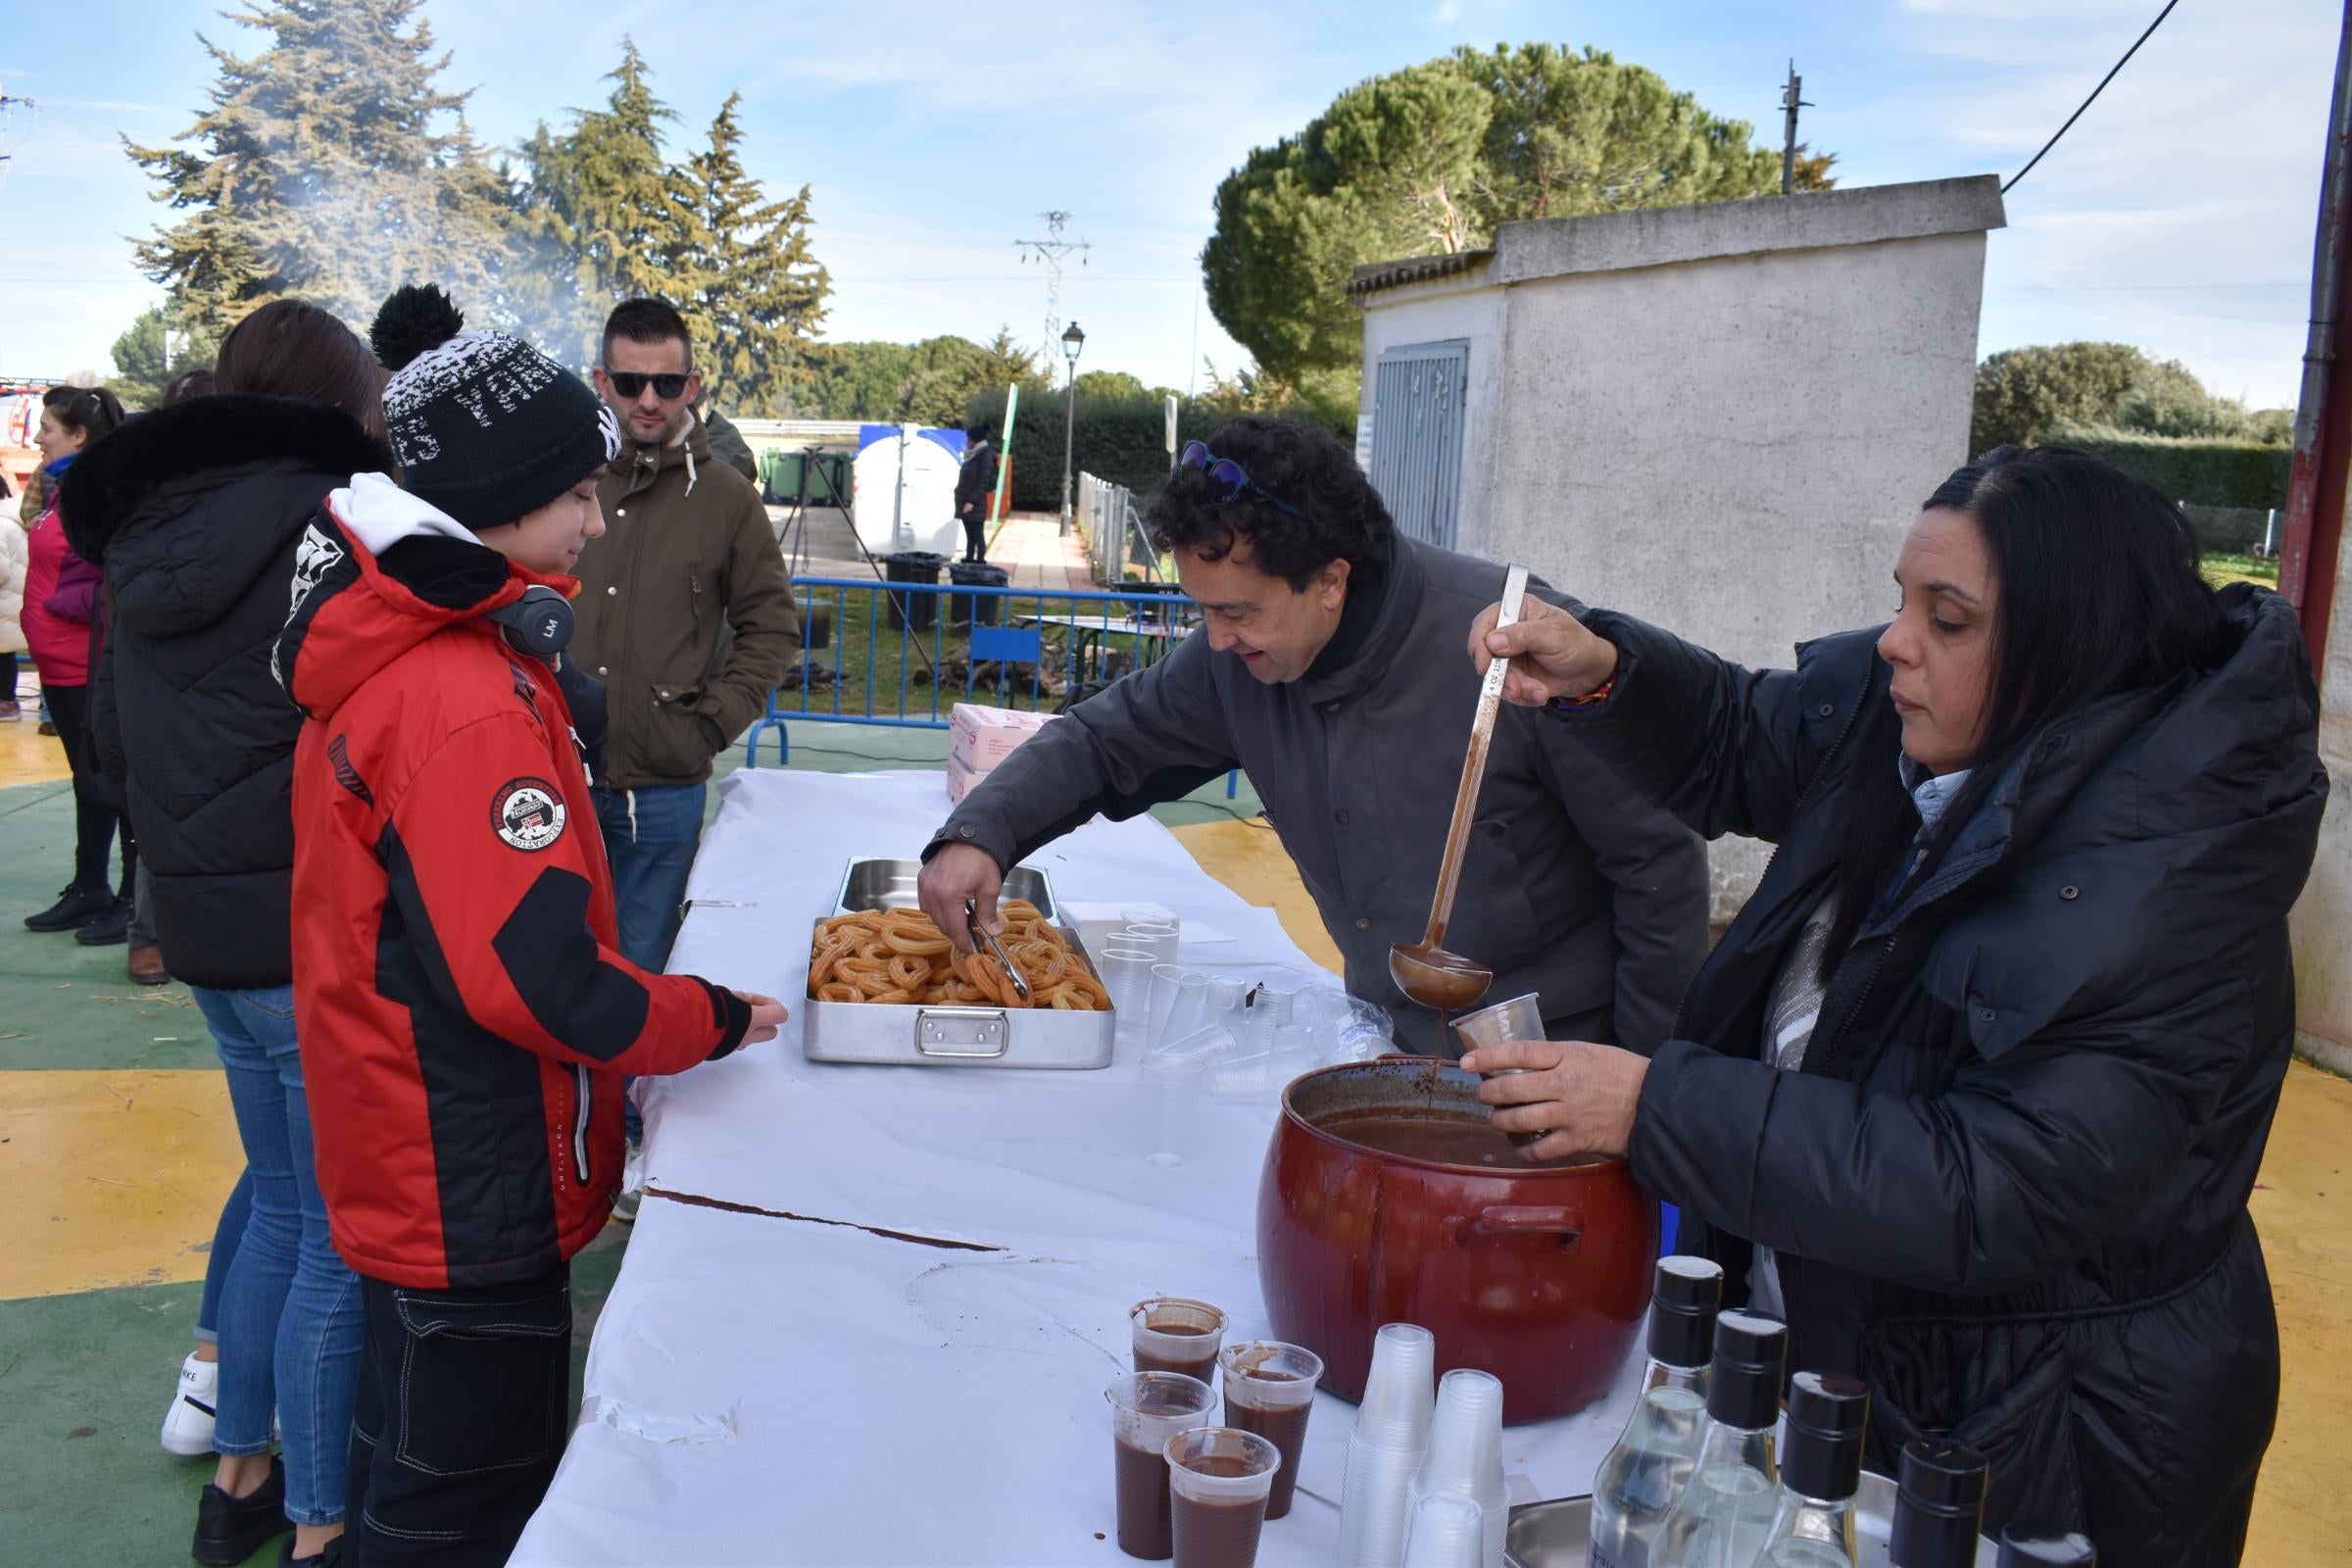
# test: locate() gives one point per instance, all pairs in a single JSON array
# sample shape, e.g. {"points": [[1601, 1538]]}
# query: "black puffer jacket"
{"points": [[2009, 1186], [194, 512]]}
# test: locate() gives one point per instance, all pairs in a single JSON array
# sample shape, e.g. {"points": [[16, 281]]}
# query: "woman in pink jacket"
{"points": [[61, 622]]}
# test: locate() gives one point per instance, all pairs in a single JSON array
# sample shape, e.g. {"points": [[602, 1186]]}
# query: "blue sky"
{"points": [[2177, 215]]}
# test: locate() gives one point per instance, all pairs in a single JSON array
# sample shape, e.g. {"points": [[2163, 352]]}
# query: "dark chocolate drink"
{"points": [[1285, 1429], [1203, 1367], [1217, 1535], [1141, 1477]]}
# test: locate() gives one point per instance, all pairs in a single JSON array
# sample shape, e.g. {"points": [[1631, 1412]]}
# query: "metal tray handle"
{"points": [[968, 1032]]}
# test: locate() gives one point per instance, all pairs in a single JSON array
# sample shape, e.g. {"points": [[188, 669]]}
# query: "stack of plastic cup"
{"points": [[1391, 1428], [1464, 1457], [1172, 1085], [1449, 1531]]}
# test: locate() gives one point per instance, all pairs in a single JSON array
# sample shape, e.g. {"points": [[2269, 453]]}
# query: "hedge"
{"points": [[2203, 473], [1123, 440]]}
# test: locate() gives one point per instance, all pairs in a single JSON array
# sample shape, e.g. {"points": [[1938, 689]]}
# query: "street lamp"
{"points": [[1071, 342]]}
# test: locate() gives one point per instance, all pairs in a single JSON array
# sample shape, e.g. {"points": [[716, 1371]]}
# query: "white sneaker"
{"points": [[188, 1424]]}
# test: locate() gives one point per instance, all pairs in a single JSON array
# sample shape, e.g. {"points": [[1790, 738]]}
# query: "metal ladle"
{"points": [[1425, 972]]}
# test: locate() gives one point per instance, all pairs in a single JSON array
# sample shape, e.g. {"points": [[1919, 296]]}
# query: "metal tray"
{"points": [[1556, 1534], [912, 1035]]}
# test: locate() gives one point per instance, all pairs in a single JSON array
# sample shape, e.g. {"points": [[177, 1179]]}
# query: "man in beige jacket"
{"points": [[688, 558]]}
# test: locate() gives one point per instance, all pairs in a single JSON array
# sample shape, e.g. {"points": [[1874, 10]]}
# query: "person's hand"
{"points": [[1582, 1096], [956, 873], [1551, 654], [768, 1016]]}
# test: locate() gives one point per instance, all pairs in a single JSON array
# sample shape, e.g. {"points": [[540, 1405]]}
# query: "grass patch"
{"points": [[2222, 569]]}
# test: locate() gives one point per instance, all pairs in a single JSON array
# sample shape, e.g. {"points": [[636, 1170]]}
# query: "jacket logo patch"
{"points": [[527, 813], [313, 559], [347, 776]]}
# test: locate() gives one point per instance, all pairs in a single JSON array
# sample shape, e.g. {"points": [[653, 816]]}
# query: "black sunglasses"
{"points": [[1232, 477], [668, 386]]}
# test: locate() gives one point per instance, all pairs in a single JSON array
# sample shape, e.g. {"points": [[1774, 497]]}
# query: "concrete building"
{"points": [[1717, 418]]}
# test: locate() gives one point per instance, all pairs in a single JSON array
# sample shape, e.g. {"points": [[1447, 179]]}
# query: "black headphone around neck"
{"points": [[539, 623]]}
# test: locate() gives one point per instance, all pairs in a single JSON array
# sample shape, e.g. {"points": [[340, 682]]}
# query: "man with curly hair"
{"points": [[1328, 666]]}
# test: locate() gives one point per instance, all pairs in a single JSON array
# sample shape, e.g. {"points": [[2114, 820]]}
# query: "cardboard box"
{"points": [[962, 780], [981, 737]]}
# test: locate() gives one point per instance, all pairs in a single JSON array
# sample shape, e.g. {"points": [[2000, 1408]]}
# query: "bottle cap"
{"points": [[1937, 1506], [1743, 1386], [2030, 1546], [1827, 1413], [1682, 1310]]}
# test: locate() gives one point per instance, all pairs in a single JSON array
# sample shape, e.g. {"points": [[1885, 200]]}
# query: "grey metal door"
{"points": [[1417, 395]]}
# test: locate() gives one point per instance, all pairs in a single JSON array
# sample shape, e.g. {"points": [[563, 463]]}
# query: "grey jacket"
{"points": [[1574, 887]]}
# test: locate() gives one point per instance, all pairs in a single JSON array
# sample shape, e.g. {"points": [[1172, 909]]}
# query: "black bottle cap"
{"points": [[1743, 1384], [1937, 1506], [1827, 1413], [1682, 1310], [2029, 1545]]}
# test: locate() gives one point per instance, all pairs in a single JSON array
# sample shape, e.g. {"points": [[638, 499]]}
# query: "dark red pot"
{"points": [[1540, 1275]]}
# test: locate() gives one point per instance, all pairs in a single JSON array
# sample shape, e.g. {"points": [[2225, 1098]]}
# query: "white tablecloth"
{"points": [[869, 1312]]}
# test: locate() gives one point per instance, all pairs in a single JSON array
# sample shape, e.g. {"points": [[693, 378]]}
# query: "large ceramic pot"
{"points": [[1539, 1274]]}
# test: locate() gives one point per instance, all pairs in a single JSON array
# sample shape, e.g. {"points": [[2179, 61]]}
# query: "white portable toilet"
{"points": [[902, 485]]}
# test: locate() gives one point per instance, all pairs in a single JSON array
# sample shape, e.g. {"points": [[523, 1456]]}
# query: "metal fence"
{"points": [[1114, 526], [904, 654]]}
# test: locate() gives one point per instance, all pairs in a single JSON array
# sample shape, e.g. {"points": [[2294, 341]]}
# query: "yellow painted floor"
{"points": [[26, 756]]}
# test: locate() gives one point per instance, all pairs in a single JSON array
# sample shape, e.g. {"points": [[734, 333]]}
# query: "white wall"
{"points": [[2323, 919], [1471, 309]]}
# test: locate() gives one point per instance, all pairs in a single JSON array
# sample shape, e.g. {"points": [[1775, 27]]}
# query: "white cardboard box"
{"points": [[981, 737], [962, 780]]}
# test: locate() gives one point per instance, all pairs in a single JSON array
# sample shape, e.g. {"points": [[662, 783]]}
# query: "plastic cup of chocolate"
{"points": [[1270, 1390], [1176, 1334], [1218, 1482], [1147, 1410]]}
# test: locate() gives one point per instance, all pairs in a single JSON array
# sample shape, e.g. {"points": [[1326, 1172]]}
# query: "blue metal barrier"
{"points": [[1039, 645]]}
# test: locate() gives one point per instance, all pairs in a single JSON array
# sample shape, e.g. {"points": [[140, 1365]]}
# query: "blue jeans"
{"points": [[290, 1317], [227, 1234], [650, 837]]}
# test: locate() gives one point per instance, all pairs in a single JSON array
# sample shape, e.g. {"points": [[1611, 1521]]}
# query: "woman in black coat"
{"points": [[1974, 1089]]}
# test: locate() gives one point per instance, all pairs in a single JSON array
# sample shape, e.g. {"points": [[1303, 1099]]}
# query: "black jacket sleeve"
{"points": [[106, 722], [584, 695]]}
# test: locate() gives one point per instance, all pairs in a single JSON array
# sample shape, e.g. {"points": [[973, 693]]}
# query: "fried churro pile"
{"points": [[899, 955]]}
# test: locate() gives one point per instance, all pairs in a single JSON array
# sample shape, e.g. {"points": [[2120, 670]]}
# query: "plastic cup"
{"points": [[1398, 1395], [1160, 937], [1146, 1410], [1220, 1477], [1374, 1515], [1165, 979], [1281, 1000], [1224, 1002], [1447, 1530], [1520, 1018], [1464, 1454], [1136, 917], [1127, 975], [1270, 1390], [1173, 1084], [1176, 1334], [1190, 1008]]}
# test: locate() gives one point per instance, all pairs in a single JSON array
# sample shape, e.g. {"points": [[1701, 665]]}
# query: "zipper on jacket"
{"points": [[583, 1103]]}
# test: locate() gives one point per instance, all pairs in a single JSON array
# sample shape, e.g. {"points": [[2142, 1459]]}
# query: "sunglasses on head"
{"points": [[1231, 480], [668, 386]]}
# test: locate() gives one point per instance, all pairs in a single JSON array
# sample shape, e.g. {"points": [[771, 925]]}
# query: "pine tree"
{"points": [[607, 215], [329, 166], [752, 290]]}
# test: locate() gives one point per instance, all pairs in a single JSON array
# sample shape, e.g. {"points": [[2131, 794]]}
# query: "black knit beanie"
{"points": [[485, 426]]}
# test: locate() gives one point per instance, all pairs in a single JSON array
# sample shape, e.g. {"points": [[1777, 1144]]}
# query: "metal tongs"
{"points": [[996, 949]]}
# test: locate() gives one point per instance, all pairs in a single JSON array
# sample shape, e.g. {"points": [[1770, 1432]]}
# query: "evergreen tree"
{"points": [[329, 166], [605, 211], [748, 286]]}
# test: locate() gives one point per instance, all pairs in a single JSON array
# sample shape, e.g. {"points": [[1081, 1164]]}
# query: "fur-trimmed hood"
{"points": [[201, 444]]}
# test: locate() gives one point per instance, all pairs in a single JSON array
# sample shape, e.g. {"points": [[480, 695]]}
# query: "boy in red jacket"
{"points": [[465, 1016]]}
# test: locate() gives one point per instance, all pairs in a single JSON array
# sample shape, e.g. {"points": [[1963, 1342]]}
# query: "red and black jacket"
{"points": [[464, 1016]]}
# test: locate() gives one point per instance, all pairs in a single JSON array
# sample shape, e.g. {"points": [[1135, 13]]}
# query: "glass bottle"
{"points": [[1939, 1507], [2029, 1545], [1722, 1517], [1813, 1521], [1642, 1478]]}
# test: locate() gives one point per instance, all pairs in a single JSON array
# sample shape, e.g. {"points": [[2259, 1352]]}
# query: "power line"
{"points": [[2094, 94]]}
